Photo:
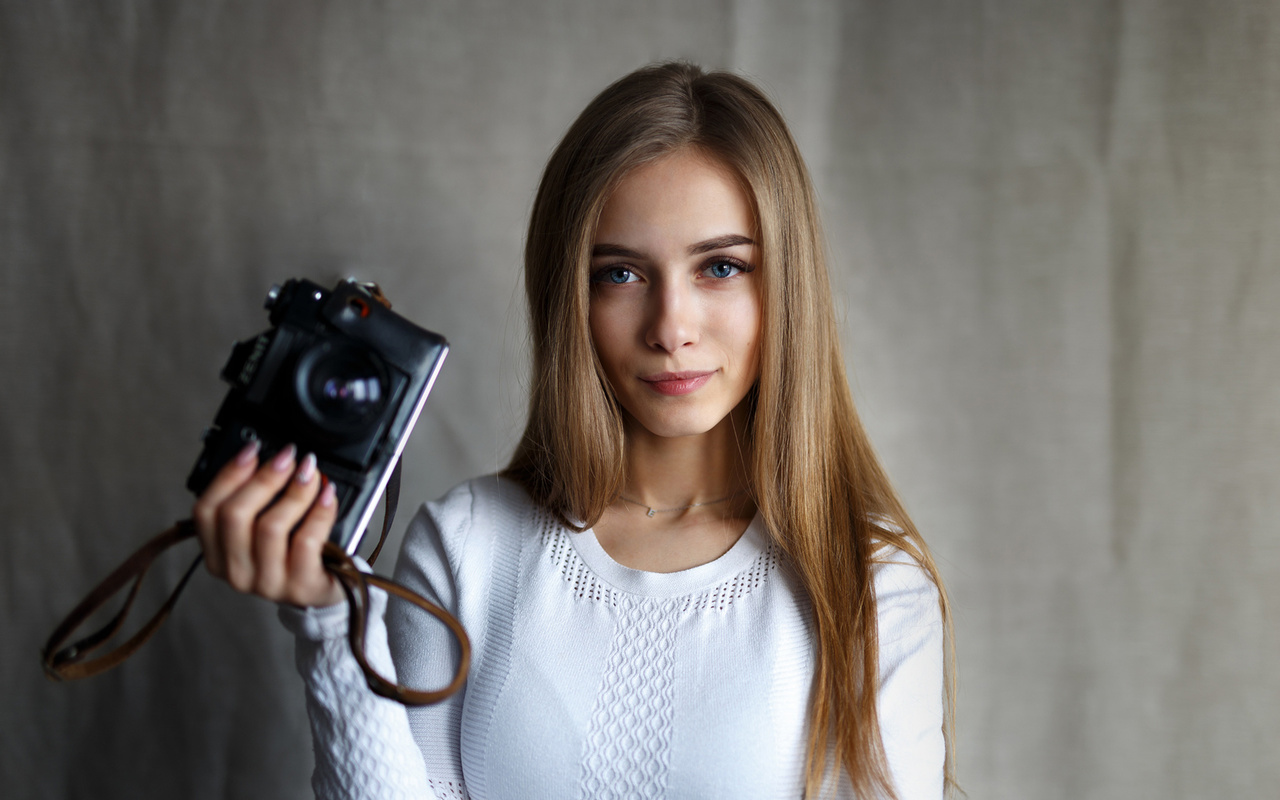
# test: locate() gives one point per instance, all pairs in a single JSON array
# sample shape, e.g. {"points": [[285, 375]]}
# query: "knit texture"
{"points": [[592, 680], [628, 744], [347, 718]]}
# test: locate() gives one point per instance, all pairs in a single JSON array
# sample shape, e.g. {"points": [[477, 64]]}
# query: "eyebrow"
{"points": [[718, 243]]}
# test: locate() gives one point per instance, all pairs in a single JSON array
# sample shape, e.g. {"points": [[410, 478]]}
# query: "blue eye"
{"points": [[723, 269], [614, 275]]}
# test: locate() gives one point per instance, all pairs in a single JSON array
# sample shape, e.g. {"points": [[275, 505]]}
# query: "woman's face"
{"points": [[675, 298]]}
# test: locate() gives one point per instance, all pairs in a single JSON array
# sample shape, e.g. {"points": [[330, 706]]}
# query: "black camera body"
{"points": [[339, 375]]}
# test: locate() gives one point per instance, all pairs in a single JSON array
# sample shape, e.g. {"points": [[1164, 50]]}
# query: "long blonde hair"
{"points": [[813, 474]]}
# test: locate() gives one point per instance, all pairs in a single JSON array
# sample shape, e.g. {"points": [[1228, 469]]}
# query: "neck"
{"points": [[665, 472]]}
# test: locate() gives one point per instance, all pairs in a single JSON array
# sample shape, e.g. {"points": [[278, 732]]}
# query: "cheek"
{"points": [[606, 336], [743, 333]]}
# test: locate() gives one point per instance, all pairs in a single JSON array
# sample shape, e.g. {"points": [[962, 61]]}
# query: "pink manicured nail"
{"points": [[308, 469], [284, 459], [249, 453], [328, 495]]}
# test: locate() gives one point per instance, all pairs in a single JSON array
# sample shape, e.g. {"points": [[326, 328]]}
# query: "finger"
{"points": [[205, 511], [238, 514], [271, 534], [310, 584]]}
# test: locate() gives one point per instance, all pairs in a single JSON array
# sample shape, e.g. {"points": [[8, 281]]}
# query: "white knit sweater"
{"points": [[592, 680]]}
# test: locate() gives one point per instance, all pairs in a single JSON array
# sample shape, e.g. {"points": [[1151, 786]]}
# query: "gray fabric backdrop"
{"points": [[1054, 241]]}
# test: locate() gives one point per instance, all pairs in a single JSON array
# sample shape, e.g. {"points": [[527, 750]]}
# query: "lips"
{"points": [[677, 383]]}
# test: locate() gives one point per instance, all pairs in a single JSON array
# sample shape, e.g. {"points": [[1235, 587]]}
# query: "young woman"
{"points": [[693, 579]]}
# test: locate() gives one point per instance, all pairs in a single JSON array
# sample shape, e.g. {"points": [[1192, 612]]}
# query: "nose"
{"points": [[673, 317]]}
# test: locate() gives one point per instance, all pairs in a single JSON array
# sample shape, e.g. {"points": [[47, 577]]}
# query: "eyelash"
{"points": [[742, 266], [602, 275]]}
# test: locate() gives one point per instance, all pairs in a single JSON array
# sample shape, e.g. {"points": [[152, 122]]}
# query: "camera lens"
{"points": [[343, 389]]}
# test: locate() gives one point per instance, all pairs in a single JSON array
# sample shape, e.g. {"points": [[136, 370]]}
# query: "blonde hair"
{"points": [[813, 474]]}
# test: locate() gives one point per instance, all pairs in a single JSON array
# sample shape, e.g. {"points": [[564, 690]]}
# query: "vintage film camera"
{"points": [[339, 375]]}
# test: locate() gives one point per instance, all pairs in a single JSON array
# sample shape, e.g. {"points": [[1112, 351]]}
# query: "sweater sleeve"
{"points": [[366, 746], [425, 652], [910, 702], [363, 744]]}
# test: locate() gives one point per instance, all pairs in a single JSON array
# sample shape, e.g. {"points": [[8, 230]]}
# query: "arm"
{"points": [[262, 527], [370, 747], [363, 745], [910, 702], [425, 652]]}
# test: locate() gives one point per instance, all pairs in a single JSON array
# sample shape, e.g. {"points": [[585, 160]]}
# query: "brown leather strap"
{"points": [[71, 662], [355, 584], [391, 499]]}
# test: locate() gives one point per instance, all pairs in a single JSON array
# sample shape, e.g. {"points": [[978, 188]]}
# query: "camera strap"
{"points": [[72, 662]]}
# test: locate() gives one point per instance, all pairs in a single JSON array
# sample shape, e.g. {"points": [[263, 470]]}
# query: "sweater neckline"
{"points": [[749, 546]]}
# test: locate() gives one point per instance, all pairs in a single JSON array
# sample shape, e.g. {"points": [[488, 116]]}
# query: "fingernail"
{"points": [[284, 459], [328, 495], [307, 470], [249, 453]]}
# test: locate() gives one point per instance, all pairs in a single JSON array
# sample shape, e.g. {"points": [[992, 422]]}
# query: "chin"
{"points": [[674, 426]]}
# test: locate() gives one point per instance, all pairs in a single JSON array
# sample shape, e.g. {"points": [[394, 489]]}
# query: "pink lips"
{"points": [[677, 383]]}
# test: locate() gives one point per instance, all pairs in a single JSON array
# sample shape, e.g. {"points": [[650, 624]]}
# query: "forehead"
{"points": [[681, 198]]}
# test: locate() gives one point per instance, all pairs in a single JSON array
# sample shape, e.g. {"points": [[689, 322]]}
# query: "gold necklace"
{"points": [[653, 510]]}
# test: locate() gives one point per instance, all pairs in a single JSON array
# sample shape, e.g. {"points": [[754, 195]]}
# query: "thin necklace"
{"points": [[653, 510]]}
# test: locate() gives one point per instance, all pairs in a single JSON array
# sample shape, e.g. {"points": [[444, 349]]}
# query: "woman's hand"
{"points": [[271, 549]]}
